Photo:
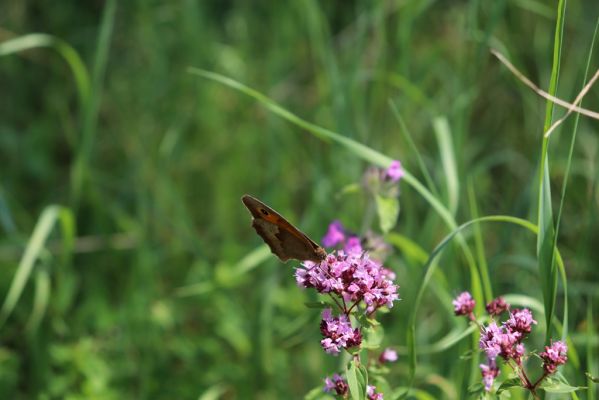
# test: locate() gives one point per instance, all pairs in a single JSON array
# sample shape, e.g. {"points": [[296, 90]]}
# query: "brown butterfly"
{"points": [[284, 239]]}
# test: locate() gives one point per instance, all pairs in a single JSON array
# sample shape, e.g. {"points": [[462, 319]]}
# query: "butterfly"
{"points": [[284, 239]]}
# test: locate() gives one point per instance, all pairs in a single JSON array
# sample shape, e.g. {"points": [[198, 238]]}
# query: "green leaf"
{"points": [[475, 388], [591, 377], [357, 380], [214, 392], [509, 383], [316, 394], [505, 395], [388, 210], [372, 337], [555, 386]]}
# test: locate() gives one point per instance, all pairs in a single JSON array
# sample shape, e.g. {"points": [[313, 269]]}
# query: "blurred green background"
{"points": [[164, 291]]}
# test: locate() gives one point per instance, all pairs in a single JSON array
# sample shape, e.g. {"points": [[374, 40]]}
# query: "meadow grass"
{"points": [[129, 132]]}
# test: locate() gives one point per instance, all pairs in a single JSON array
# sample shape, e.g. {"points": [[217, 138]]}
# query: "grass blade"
{"points": [[92, 104], [65, 50], [443, 133], [33, 250], [567, 176], [40, 300], [479, 244], [591, 352], [406, 134], [546, 237]]}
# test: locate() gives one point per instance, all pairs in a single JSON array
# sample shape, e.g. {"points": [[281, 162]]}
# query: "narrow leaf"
{"points": [[388, 210]]}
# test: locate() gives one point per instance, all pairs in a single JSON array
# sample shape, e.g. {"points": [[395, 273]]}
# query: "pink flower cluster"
{"points": [[463, 304], [554, 356], [336, 383], [341, 388], [497, 306], [505, 340], [501, 341], [354, 277], [338, 333]]}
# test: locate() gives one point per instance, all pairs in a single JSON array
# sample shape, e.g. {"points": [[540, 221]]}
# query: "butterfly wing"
{"points": [[284, 240]]}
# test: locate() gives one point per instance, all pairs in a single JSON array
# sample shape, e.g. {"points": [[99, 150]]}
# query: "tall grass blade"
{"points": [[65, 50], [591, 352], [40, 299], [546, 237], [479, 246], [443, 133], [91, 106], [34, 248], [567, 176], [403, 128]]}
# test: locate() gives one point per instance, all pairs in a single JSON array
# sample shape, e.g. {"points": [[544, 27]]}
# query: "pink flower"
{"points": [[497, 306], [554, 356], [353, 277], [489, 372], [338, 333], [372, 394], [489, 340], [520, 322], [498, 341], [335, 234], [353, 245], [337, 383], [463, 304], [388, 355], [395, 171]]}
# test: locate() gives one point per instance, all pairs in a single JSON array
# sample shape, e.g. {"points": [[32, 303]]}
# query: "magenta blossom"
{"points": [[388, 355], [489, 341], [372, 394], [335, 234], [353, 277], [520, 322], [395, 171], [554, 356], [338, 333], [463, 304], [336, 383], [499, 341], [497, 306], [489, 372], [353, 245]]}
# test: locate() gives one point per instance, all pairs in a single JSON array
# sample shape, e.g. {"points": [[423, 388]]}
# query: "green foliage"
{"points": [[357, 379], [127, 265]]}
